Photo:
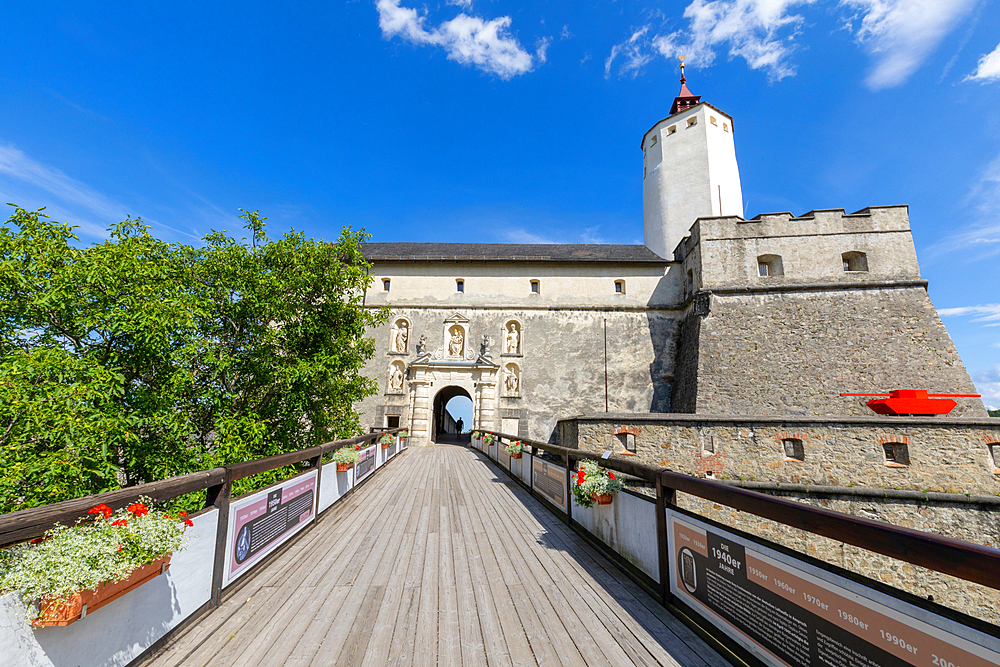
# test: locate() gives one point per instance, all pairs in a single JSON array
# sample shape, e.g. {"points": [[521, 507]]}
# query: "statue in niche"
{"points": [[484, 349], [457, 342], [395, 378], [421, 344], [399, 338], [510, 382], [511, 340]]}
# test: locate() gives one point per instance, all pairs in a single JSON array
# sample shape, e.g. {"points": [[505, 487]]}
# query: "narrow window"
{"points": [[459, 285], [995, 457], [385, 284], [619, 287], [769, 265], [896, 453], [690, 280], [535, 287], [693, 120], [652, 140], [671, 129], [725, 127], [794, 451], [392, 422], [627, 441], [711, 119], [855, 261]]}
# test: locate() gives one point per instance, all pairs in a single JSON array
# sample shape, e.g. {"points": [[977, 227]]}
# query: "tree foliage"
{"points": [[134, 359]]}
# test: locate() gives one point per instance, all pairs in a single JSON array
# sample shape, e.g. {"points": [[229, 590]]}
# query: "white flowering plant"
{"points": [[515, 447], [346, 455], [386, 439], [591, 481], [70, 559]]}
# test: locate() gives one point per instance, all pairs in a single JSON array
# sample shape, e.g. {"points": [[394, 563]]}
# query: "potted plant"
{"points": [[403, 435], [514, 449], [594, 483], [73, 571], [386, 441], [346, 458]]}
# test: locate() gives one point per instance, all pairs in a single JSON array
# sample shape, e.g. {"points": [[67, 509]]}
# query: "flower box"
{"points": [[386, 445], [344, 467], [86, 602], [516, 456], [602, 498]]}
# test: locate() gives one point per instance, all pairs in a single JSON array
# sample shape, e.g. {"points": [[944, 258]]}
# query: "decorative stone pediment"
{"points": [[457, 318]]}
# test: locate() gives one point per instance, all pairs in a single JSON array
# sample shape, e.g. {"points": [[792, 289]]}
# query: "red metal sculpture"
{"points": [[913, 402]]}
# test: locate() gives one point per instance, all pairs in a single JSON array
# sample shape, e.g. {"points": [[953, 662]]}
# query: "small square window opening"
{"points": [[392, 422], [896, 454], [385, 284], [652, 141], [725, 127], [535, 287], [711, 119], [995, 457], [794, 450], [627, 441], [671, 129], [460, 286], [693, 120], [619, 287]]}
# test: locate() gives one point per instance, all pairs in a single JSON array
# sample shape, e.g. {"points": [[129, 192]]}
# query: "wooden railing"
{"points": [[972, 562], [217, 482]]}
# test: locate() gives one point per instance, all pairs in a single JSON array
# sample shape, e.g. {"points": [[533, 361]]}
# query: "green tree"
{"points": [[134, 360]]}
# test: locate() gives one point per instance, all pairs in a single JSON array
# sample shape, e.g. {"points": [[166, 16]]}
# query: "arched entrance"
{"points": [[444, 427]]}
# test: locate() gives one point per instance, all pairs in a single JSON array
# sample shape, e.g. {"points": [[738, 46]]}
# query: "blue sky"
{"points": [[499, 121]]}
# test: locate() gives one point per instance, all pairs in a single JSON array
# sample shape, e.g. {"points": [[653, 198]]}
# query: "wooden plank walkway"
{"points": [[439, 560]]}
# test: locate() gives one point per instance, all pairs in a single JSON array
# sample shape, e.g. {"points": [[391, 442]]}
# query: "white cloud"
{"points": [[988, 69], [762, 32], [901, 34], [988, 384], [468, 40], [467, 4], [542, 47], [987, 312]]}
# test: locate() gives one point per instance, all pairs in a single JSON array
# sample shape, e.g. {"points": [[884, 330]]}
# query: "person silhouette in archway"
{"points": [[459, 424]]}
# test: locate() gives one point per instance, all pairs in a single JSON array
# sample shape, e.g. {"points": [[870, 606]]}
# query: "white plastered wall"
{"points": [[688, 173]]}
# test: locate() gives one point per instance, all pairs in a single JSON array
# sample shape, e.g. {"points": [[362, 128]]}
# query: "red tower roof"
{"points": [[684, 100]]}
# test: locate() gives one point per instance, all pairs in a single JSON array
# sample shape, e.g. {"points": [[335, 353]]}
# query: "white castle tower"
{"points": [[689, 171]]}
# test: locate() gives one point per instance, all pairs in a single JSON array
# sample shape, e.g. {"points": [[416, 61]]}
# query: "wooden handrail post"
{"points": [[568, 489], [220, 496], [665, 496]]}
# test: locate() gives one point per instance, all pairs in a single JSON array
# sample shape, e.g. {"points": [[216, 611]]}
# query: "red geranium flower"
{"points": [[611, 475], [101, 509], [188, 522], [183, 514], [119, 522], [138, 509]]}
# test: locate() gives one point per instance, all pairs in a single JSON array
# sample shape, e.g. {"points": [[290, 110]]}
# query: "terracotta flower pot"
{"points": [[516, 456], [386, 445], [70, 611], [602, 498], [344, 467]]}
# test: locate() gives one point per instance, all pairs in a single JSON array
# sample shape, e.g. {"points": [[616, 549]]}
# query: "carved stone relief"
{"points": [[512, 338], [395, 378], [456, 342], [400, 336], [511, 380]]}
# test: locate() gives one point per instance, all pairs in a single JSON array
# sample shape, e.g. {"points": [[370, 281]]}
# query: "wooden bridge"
{"points": [[465, 555], [443, 561]]}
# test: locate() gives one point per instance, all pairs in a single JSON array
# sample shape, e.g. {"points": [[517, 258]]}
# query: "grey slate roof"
{"points": [[509, 252]]}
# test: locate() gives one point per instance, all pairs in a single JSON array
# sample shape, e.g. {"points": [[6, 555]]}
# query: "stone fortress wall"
{"points": [[845, 310]]}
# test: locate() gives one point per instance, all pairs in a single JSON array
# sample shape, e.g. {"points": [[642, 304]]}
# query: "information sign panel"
{"points": [[261, 522], [790, 613], [549, 481], [366, 465]]}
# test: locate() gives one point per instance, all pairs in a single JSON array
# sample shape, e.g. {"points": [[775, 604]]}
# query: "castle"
{"points": [[715, 314]]}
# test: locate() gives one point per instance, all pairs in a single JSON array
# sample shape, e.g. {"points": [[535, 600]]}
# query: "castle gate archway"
{"points": [[441, 422], [434, 382]]}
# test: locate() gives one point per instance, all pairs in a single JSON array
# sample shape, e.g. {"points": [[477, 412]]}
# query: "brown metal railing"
{"points": [[972, 562]]}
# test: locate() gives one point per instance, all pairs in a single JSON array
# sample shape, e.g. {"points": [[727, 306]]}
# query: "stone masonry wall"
{"points": [[795, 352]]}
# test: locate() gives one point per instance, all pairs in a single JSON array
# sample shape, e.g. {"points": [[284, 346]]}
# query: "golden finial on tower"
{"points": [[682, 70]]}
